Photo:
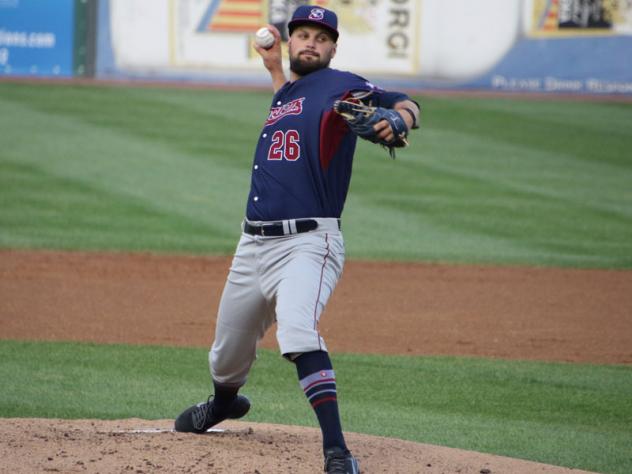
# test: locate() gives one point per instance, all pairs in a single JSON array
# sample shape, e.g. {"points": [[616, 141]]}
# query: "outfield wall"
{"points": [[578, 46]]}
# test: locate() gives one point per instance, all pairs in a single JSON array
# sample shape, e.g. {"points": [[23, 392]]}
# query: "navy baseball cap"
{"points": [[309, 14]]}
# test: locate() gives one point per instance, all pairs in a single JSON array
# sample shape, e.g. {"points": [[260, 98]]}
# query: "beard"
{"points": [[303, 67]]}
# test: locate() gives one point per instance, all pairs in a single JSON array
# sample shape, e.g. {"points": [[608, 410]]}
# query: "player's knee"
{"points": [[229, 370], [294, 341]]}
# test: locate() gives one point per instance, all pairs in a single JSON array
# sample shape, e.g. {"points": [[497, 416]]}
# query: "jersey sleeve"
{"points": [[360, 87], [388, 99], [349, 84]]}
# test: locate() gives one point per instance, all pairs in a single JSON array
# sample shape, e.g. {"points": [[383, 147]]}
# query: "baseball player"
{"points": [[291, 252]]}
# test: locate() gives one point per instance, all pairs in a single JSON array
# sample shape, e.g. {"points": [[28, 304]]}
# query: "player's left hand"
{"points": [[376, 124], [384, 131]]}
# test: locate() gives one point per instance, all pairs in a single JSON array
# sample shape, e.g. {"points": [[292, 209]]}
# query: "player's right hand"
{"points": [[272, 57]]}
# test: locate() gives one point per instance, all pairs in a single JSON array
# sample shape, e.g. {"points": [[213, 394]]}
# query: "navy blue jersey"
{"points": [[302, 164]]}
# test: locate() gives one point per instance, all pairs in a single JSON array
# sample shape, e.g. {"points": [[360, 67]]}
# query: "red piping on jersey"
{"points": [[333, 129]]}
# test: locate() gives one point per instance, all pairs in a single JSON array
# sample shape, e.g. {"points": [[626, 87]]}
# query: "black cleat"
{"points": [[339, 461], [200, 417]]}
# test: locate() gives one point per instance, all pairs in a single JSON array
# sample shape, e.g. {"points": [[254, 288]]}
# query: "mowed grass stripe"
{"points": [[132, 181], [485, 180], [587, 131], [36, 219], [479, 182]]}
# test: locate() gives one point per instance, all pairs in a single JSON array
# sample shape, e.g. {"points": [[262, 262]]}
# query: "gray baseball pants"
{"points": [[287, 280]]}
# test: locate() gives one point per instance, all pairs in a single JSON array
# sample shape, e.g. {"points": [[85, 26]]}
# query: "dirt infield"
{"points": [[389, 308], [420, 309]]}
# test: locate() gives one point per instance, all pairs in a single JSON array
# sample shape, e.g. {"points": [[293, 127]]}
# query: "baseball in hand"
{"points": [[264, 38]]}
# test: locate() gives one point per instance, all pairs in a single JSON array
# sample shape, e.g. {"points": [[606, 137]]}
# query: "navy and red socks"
{"points": [[223, 398], [318, 381]]}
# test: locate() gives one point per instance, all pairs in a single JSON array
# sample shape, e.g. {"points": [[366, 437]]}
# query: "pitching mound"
{"points": [[141, 446]]}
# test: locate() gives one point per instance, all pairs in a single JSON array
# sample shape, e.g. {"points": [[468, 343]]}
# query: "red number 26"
{"points": [[285, 145]]}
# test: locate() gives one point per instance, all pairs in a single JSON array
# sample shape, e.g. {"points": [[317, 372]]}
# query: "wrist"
{"points": [[413, 116]]}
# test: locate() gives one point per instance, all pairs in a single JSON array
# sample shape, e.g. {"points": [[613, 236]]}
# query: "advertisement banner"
{"points": [[36, 37], [218, 33], [569, 46], [559, 46], [564, 18]]}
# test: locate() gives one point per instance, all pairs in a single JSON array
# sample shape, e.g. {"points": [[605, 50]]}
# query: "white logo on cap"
{"points": [[316, 14]]}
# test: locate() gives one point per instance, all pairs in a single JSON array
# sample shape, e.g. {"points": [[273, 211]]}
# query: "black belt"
{"points": [[277, 229]]}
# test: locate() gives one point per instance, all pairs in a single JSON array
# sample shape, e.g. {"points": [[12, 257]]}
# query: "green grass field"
{"points": [[572, 415], [485, 180], [492, 181]]}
